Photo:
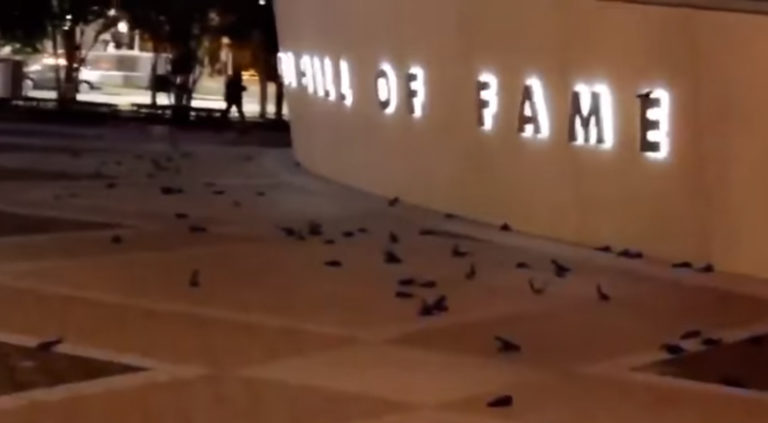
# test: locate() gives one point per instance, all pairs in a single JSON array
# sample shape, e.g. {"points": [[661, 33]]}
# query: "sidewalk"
{"points": [[273, 335], [203, 98]]}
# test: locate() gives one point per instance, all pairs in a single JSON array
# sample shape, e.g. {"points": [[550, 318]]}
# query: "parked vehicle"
{"points": [[123, 69], [42, 76]]}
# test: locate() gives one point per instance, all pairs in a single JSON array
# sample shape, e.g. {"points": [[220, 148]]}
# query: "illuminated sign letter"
{"points": [[307, 79], [591, 121], [281, 66], [416, 91], [319, 80], [287, 66], [533, 118], [345, 83], [386, 88], [654, 123], [487, 99], [330, 79]]}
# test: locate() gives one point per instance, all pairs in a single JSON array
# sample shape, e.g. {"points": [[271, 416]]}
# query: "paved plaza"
{"points": [[272, 334]]}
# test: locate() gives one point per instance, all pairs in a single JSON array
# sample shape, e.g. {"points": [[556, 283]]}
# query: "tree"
{"points": [[70, 21], [191, 30], [65, 22], [188, 29], [181, 26], [151, 21], [25, 23]]}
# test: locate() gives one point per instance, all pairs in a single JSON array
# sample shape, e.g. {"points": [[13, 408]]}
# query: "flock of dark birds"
{"points": [[409, 288]]}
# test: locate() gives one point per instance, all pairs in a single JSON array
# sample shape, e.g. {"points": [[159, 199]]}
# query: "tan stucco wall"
{"points": [[707, 201]]}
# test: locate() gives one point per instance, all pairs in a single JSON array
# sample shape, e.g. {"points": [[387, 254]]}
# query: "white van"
{"points": [[128, 69]]}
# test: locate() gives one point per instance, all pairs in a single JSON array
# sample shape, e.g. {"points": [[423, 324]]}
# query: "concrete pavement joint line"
{"points": [[58, 214], [155, 372], [623, 364], [678, 383], [86, 234], [429, 414], [621, 368], [10, 239], [390, 333], [248, 318], [76, 211], [84, 388], [100, 354], [126, 254], [283, 371]]}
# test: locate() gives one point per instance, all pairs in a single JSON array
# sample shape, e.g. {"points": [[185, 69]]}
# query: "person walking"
{"points": [[233, 94]]}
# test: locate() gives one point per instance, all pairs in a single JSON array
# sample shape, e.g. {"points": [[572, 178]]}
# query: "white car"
{"points": [[42, 76]]}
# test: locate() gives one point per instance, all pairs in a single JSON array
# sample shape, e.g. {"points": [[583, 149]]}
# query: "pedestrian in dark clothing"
{"points": [[233, 94]]}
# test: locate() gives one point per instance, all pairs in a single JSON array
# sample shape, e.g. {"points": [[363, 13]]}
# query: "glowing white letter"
{"points": [[386, 88], [654, 123], [416, 91], [595, 127], [488, 100], [330, 80], [307, 79], [288, 69], [345, 83], [533, 118], [319, 83]]}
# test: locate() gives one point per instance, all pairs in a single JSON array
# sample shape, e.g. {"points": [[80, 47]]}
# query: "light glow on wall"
{"points": [[660, 117], [386, 88], [536, 109], [417, 90], [488, 93], [345, 83], [330, 79], [598, 117], [319, 80], [307, 78]]}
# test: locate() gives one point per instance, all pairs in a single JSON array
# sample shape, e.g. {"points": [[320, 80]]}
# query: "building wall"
{"points": [[706, 202]]}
